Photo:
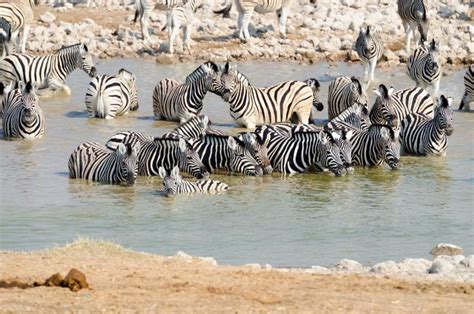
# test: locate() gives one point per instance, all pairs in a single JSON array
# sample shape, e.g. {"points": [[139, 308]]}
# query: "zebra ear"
{"points": [[175, 172], [355, 86], [390, 91], [226, 67], [367, 31], [322, 138], [182, 145], [205, 122], [121, 149], [162, 172], [445, 102], [84, 47], [232, 143], [383, 92]]}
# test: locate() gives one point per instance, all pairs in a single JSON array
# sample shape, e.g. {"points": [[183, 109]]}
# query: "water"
{"points": [[301, 220]]}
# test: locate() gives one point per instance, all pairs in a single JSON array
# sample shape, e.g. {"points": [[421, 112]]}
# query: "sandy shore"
{"points": [[122, 280]]}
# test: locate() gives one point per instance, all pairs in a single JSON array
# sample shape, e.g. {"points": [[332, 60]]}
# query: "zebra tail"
{"points": [[225, 10], [137, 14], [100, 107], [461, 105]]}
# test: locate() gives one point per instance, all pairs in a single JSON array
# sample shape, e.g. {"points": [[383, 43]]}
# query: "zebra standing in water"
{"points": [[21, 113], [369, 47], [47, 71], [93, 161], [251, 106], [19, 14], [413, 14], [424, 66], [6, 44], [246, 8], [344, 92], [174, 184], [143, 9], [356, 117], [469, 89], [421, 135], [180, 102], [181, 17], [111, 95]]}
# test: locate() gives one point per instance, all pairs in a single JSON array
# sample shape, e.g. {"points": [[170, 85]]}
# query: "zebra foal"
{"points": [[369, 47], [468, 96], [19, 14], [424, 66]]}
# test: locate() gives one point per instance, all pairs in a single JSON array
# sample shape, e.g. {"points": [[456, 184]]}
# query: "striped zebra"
{"points": [[414, 17], [225, 152], [159, 152], [143, 9], [180, 102], [421, 135], [19, 14], [315, 87], [6, 45], [344, 92], [22, 116], [47, 71], [377, 144], [247, 7], [369, 47], [178, 17], [356, 117], [468, 96], [252, 106], [258, 150], [195, 127], [424, 66], [112, 95], [389, 105], [174, 184], [301, 150], [93, 161]]}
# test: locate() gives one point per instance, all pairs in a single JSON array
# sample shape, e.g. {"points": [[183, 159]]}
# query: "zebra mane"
{"points": [[161, 139], [72, 48], [219, 136]]}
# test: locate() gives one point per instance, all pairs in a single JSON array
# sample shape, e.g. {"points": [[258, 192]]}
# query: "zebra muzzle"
{"points": [[449, 130]]}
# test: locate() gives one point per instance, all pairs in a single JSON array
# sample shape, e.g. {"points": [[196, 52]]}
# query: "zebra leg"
{"points": [[282, 15], [244, 34], [187, 37], [144, 24], [408, 35], [173, 33], [373, 65]]}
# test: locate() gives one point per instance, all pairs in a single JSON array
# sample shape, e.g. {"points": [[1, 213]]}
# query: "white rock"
{"points": [[320, 269], [414, 265], [349, 265], [446, 249], [386, 267], [48, 17], [209, 260], [183, 255], [441, 266], [254, 265], [468, 261]]}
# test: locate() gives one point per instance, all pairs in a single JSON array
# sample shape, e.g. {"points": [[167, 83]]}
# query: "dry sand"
{"points": [[123, 280]]}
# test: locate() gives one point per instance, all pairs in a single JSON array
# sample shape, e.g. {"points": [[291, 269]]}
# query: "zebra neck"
{"points": [[308, 144], [64, 63], [437, 134], [242, 98]]}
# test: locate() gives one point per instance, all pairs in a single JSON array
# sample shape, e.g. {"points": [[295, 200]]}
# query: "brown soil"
{"points": [[123, 280]]}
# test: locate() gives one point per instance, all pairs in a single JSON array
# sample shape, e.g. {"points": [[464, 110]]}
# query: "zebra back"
{"points": [[128, 137], [193, 128], [17, 13], [356, 117], [344, 92]]}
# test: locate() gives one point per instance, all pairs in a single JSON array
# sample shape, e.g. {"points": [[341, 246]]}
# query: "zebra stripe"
{"points": [[19, 14], [225, 152], [369, 47], [375, 145], [143, 9], [93, 161], [251, 106], [111, 95], [47, 71], [468, 89], [421, 135], [160, 152], [22, 115], [258, 150], [315, 87], [175, 101], [195, 127], [181, 17], [424, 66], [6, 45], [356, 117], [344, 92], [413, 14], [174, 184]]}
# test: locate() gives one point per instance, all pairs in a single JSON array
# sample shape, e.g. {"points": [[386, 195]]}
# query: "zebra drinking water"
{"points": [[47, 71], [93, 161], [174, 184], [112, 95], [369, 47], [257, 149], [180, 102], [424, 66], [414, 17], [19, 14], [22, 116], [343, 92], [468, 96], [143, 9], [251, 106], [421, 135], [181, 17]]}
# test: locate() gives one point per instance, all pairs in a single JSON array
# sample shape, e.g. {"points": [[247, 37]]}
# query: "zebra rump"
{"points": [[468, 96]]}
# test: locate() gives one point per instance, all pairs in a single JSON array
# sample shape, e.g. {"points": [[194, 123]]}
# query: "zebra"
{"points": [[195, 127], [378, 144], [180, 102], [369, 47], [251, 106], [424, 66], [343, 92], [181, 17], [174, 184], [19, 14], [356, 117], [110, 95], [468, 96], [21, 113], [414, 17], [143, 9], [315, 87], [47, 71], [6, 45], [421, 135], [395, 106], [93, 161], [225, 152], [258, 150], [159, 152], [246, 8]]}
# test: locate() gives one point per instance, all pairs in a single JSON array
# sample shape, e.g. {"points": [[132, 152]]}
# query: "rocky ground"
{"points": [[323, 31], [121, 280]]}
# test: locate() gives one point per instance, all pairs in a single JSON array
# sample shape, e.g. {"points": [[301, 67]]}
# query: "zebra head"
{"points": [[358, 95], [391, 145], [85, 61], [229, 81], [343, 142], [432, 63], [131, 81], [383, 110], [128, 162], [315, 86], [30, 112], [366, 35], [212, 74], [444, 115], [329, 153], [190, 162], [240, 158], [171, 181], [258, 150]]}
